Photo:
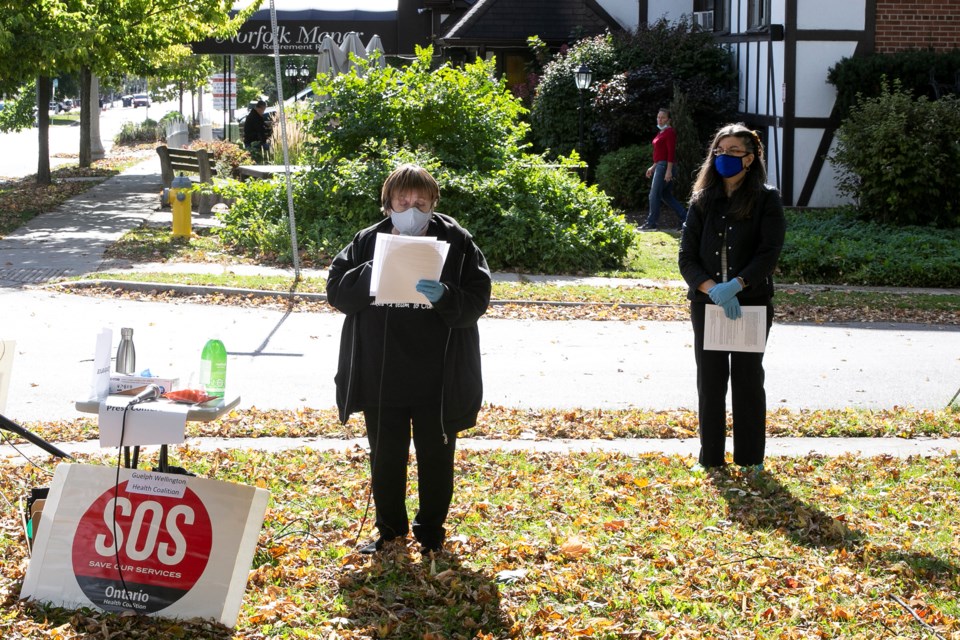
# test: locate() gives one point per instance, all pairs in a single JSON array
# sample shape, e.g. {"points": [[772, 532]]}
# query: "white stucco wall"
{"points": [[831, 14], [626, 12], [669, 9], [825, 193], [814, 95]]}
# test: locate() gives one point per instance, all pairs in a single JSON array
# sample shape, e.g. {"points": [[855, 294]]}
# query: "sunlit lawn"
{"points": [[591, 545]]}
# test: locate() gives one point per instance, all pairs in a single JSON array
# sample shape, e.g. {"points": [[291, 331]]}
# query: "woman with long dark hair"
{"points": [[728, 252]]}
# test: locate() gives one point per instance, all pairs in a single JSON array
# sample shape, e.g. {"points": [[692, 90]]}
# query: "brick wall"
{"points": [[917, 24]]}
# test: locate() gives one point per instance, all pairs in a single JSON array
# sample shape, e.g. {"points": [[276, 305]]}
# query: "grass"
{"points": [[506, 423], [565, 546]]}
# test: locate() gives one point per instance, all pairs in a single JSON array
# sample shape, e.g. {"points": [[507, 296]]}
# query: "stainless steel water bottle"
{"points": [[126, 354]]}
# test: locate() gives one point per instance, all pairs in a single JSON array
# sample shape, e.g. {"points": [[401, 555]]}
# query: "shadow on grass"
{"points": [[401, 594], [761, 502]]}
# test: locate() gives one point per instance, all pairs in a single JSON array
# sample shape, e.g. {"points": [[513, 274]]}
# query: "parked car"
{"points": [[141, 100], [66, 104], [126, 100]]}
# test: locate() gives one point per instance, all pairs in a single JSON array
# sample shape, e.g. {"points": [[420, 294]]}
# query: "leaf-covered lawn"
{"points": [[22, 199], [575, 546], [506, 423]]}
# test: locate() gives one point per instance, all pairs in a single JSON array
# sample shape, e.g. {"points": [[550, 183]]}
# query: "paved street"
{"points": [[286, 361]]}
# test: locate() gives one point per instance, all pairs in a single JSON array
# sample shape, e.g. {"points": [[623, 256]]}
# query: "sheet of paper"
{"points": [[6, 365], [748, 333], [100, 379], [399, 262]]}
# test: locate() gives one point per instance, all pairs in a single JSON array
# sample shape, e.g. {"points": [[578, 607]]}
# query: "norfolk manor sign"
{"points": [[303, 36]]}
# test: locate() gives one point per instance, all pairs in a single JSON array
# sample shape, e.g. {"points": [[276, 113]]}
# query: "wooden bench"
{"points": [[192, 161]]}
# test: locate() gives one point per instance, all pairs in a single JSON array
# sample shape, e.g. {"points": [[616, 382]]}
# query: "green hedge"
{"points": [[864, 75], [835, 247], [622, 176]]}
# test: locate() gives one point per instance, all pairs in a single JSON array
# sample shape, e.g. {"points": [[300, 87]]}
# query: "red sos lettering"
{"points": [[163, 544]]}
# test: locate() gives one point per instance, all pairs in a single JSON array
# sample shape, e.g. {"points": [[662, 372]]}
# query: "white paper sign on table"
{"points": [[146, 423], [100, 378]]}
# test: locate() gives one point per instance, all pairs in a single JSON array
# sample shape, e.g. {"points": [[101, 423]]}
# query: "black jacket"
{"points": [[255, 128], [753, 247], [467, 279]]}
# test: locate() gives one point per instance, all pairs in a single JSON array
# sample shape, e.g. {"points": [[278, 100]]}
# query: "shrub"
{"points": [[529, 216], [834, 247], [526, 213], [622, 176], [864, 75], [554, 119], [461, 115], [228, 157], [297, 125], [134, 132], [898, 157], [634, 74]]}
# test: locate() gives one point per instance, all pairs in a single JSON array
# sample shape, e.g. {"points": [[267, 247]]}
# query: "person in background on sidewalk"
{"points": [[662, 172], [728, 252], [256, 132], [409, 365]]}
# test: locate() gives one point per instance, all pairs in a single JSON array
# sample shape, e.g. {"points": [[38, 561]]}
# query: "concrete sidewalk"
{"points": [[776, 447]]}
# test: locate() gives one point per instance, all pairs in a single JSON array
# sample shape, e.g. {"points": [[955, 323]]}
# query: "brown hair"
{"points": [[709, 184], [409, 177]]}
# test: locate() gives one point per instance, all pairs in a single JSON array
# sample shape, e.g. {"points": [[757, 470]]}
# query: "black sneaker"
{"points": [[430, 549], [646, 227], [372, 547]]}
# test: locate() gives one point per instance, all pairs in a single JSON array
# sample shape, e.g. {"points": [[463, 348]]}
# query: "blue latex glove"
{"points": [[432, 290], [720, 293], [731, 308]]}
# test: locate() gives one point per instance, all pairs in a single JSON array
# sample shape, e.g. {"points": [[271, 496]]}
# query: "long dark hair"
{"points": [[709, 184]]}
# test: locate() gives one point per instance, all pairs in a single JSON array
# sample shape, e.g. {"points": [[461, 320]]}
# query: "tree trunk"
{"points": [[43, 130], [85, 80], [97, 152]]}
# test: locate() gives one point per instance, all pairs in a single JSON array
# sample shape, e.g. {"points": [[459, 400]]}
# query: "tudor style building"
{"points": [[781, 49]]}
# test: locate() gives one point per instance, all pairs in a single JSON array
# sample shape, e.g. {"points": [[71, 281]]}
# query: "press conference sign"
{"points": [[154, 543]]}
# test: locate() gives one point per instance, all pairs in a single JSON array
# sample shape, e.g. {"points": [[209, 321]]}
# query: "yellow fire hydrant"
{"points": [[180, 202]]}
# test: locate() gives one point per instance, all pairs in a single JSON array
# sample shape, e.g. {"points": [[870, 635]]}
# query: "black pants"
{"points": [[745, 373], [388, 431]]}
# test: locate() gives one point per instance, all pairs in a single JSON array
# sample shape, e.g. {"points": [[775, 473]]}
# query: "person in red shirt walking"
{"points": [[662, 172]]}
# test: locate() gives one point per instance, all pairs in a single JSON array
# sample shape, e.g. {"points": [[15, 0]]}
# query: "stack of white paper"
{"points": [[399, 262]]}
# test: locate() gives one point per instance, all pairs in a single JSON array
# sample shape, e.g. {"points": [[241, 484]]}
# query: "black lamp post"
{"points": [[296, 72], [582, 78]]}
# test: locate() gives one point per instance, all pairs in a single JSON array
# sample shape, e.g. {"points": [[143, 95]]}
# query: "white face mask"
{"points": [[411, 222]]}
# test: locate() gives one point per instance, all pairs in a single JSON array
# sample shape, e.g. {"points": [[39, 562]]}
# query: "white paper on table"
{"points": [[100, 381], [399, 262], [6, 365], [146, 423], [747, 333]]}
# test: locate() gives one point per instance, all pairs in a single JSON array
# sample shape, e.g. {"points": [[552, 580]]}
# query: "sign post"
{"points": [[224, 91]]}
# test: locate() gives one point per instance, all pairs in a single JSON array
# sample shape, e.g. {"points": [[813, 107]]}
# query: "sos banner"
{"points": [[154, 543]]}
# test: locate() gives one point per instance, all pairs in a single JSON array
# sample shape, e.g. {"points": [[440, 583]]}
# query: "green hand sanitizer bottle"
{"points": [[213, 368]]}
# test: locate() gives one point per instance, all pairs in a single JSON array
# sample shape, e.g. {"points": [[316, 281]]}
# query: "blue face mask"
{"points": [[662, 126], [411, 222], [728, 166]]}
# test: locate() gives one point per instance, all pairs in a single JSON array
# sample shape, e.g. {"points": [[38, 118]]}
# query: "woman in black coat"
{"points": [[411, 365], [728, 252]]}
